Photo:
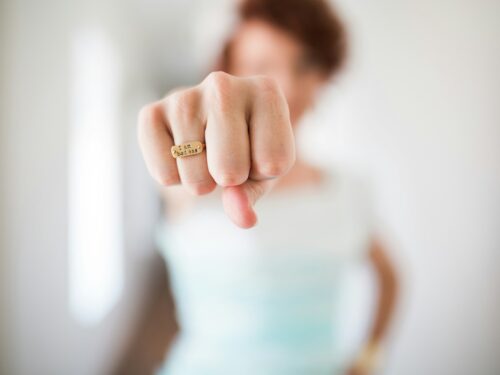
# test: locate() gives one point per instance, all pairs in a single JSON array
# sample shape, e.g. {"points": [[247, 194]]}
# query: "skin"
{"points": [[246, 119], [245, 124]]}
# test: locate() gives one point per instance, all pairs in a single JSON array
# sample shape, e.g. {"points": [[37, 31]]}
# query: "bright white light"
{"points": [[95, 199]]}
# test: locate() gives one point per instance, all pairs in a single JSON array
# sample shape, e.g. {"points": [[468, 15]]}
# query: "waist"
{"points": [[193, 355], [256, 316]]}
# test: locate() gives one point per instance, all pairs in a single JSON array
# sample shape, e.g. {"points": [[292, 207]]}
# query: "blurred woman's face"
{"points": [[260, 48]]}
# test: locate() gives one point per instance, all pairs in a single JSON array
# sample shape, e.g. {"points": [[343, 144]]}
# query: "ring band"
{"points": [[187, 149]]}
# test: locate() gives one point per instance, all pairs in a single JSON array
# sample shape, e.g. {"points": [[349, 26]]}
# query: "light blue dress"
{"points": [[264, 300]]}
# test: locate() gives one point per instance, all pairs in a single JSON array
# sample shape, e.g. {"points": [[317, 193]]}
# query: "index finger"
{"points": [[155, 142]]}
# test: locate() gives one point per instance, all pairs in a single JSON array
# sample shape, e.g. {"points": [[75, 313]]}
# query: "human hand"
{"points": [[245, 125]]}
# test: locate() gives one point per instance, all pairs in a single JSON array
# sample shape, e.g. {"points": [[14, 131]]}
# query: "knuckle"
{"points": [[274, 168], [269, 92], [184, 105], [218, 80], [219, 85], [267, 85], [230, 179], [200, 187], [149, 114], [167, 179], [150, 122]]}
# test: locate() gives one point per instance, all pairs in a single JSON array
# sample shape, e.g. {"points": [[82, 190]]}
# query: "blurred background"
{"points": [[418, 108]]}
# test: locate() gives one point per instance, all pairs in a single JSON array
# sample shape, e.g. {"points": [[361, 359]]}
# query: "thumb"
{"points": [[238, 201]]}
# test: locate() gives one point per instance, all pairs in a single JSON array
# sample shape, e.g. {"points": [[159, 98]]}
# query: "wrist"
{"points": [[370, 357]]}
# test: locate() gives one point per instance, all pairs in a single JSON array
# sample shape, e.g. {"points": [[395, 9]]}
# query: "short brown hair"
{"points": [[312, 22]]}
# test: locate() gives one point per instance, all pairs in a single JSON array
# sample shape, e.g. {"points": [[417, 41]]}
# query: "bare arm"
{"points": [[388, 287]]}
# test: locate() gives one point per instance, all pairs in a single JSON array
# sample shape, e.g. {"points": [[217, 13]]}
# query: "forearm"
{"points": [[387, 283], [370, 356]]}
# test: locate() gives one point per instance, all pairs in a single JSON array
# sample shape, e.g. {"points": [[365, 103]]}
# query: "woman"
{"points": [[262, 300]]}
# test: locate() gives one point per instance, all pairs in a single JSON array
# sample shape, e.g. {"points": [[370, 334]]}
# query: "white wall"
{"points": [[41, 336], [3, 279], [418, 108]]}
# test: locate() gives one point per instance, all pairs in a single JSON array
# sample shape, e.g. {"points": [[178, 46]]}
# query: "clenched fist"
{"points": [[245, 125]]}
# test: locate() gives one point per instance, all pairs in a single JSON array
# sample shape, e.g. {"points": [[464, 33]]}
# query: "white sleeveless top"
{"points": [[263, 300]]}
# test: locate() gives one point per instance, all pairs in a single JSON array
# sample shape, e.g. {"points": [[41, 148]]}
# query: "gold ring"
{"points": [[187, 149]]}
